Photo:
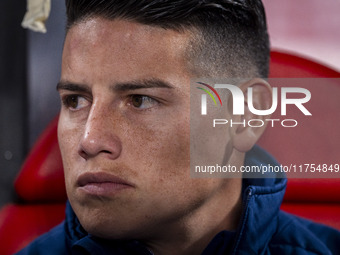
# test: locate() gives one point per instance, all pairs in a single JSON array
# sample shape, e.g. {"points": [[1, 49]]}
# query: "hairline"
{"points": [[197, 65], [195, 40]]}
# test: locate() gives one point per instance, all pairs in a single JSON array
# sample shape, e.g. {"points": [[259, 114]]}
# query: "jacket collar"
{"points": [[262, 198]]}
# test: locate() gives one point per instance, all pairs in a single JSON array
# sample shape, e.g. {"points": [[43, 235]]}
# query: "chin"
{"points": [[111, 227], [103, 230]]}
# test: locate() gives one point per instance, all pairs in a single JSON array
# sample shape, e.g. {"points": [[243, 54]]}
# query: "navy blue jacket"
{"points": [[263, 229]]}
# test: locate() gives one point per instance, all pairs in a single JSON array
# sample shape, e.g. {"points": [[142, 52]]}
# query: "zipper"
{"points": [[249, 193]]}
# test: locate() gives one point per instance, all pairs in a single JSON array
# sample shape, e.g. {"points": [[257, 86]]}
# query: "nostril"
{"points": [[92, 148], [83, 154]]}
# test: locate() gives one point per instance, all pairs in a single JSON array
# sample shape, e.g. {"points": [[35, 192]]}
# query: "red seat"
{"points": [[40, 182], [316, 140], [20, 224]]}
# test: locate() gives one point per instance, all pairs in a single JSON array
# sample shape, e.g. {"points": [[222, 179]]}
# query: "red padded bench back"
{"points": [[320, 142]]}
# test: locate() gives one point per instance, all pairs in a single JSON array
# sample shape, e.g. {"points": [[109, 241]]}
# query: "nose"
{"points": [[100, 135]]}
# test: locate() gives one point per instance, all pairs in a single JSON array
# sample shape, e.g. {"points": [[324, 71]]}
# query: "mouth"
{"points": [[101, 184]]}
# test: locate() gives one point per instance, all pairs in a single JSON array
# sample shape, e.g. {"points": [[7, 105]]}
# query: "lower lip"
{"points": [[104, 188]]}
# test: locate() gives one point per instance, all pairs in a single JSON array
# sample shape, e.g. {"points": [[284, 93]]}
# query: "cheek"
{"points": [[68, 138], [163, 148], [209, 144], [163, 160]]}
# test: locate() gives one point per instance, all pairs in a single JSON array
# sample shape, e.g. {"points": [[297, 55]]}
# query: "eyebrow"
{"points": [[141, 84], [63, 85], [119, 87]]}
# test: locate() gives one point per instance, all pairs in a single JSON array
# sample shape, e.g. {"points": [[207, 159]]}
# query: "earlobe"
{"points": [[258, 96]]}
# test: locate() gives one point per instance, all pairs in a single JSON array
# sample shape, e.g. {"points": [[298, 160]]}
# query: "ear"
{"points": [[246, 136]]}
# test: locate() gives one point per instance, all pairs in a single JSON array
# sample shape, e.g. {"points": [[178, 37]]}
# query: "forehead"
{"points": [[126, 31], [103, 41]]}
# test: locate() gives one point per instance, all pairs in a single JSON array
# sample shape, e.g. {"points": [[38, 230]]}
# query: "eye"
{"points": [[143, 102], [75, 102]]}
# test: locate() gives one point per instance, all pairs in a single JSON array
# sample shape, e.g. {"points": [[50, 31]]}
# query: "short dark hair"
{"points": [[231, 35]]}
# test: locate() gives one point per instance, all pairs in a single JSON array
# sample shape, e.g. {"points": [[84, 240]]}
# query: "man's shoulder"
{"points": [[296, 235], [52, 242]]}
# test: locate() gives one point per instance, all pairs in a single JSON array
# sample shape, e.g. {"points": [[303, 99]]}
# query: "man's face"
{"points": [[124, 129]]}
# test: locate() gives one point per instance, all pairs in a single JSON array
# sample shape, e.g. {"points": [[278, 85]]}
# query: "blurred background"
{"points": [[30, 67]]}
